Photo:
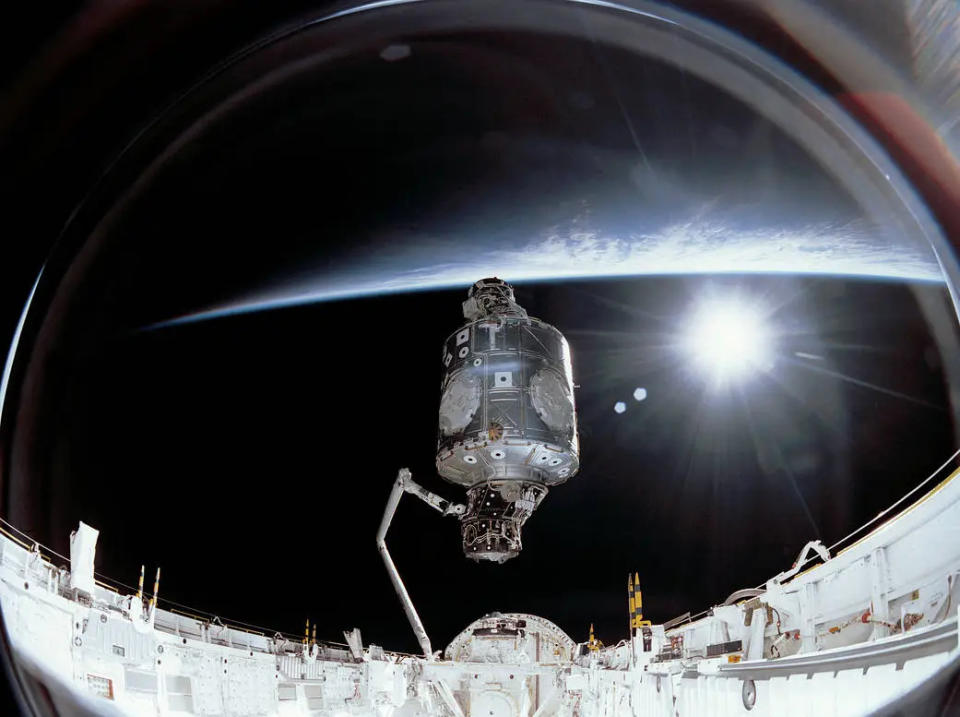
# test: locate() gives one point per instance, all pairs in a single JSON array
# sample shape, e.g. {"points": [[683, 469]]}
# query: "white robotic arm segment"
{"points": [[406, 484], [438, 503]]}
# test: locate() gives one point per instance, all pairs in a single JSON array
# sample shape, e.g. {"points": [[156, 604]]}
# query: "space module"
{"points": [[507, 424]]}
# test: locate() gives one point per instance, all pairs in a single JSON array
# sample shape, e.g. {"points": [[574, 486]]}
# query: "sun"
{"points": [[728, 339]]}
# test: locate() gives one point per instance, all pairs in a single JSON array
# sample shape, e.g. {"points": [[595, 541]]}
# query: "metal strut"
{"points": [[802, 559], [406, 484]]}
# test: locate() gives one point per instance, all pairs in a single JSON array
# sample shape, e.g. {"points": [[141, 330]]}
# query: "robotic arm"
{"points": [[406, 484], [438, 503]]}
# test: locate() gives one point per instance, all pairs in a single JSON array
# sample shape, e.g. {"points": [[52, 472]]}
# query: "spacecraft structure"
{"points": [[845, 637], [837, 634], [507, 429]]}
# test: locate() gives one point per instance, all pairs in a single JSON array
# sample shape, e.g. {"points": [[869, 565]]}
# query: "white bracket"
{"points": [[813, 545], [83, 550]]}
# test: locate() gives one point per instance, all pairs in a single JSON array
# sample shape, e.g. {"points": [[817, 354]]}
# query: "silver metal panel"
{"points": [[526, 405], [140, 680], [179, 684], [180, 703]]}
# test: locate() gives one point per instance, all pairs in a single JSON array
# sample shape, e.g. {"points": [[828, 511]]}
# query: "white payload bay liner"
{"points": [[843, 638]]}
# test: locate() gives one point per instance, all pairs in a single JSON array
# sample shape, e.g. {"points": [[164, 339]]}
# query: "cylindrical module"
{"points": [[507, 424]]}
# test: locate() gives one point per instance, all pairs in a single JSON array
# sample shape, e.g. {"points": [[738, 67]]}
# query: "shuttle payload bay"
{"points": [[845, 638]]}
